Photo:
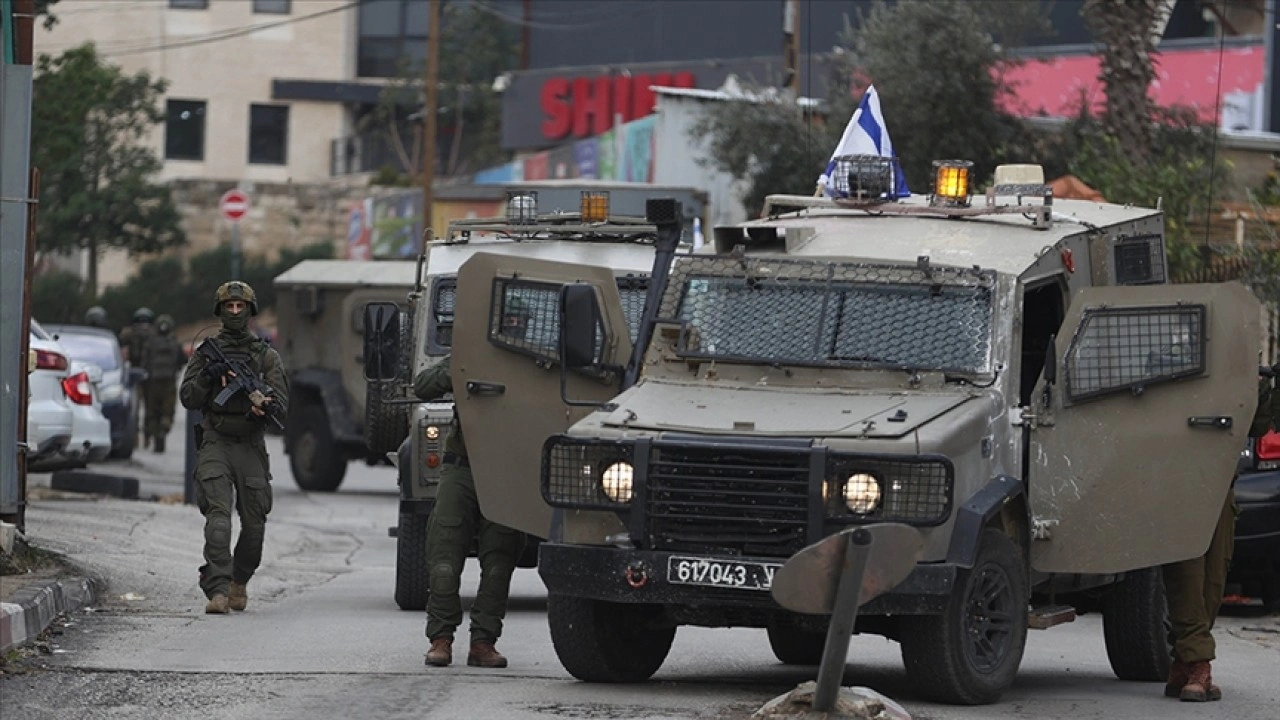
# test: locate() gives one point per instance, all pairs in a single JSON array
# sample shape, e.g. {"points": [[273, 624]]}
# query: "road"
{"points": [[322, 637]]}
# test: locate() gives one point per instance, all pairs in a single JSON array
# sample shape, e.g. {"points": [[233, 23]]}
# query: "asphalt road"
{"points": [[322, 637]]}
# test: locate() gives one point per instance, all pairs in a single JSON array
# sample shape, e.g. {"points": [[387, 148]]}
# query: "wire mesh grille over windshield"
{"points": [[818, 313]]}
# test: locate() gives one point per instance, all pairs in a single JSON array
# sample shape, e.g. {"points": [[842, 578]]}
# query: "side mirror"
{"points": [[381, 341], [579, 324], [1051, 361]]}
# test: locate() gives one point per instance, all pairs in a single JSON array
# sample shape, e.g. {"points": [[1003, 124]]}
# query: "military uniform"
{"points": [[133, 339], [162, 356], [1194, 587], [232, 469], [454, 524]]}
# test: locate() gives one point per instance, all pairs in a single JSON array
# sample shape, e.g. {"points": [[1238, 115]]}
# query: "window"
{"points": [[184, 130], [188, 4], [525, 316], [271, 7], [1118, 349], [268, 134], [391, 32]]}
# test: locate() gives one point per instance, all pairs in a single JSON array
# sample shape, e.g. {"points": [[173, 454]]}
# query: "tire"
{"points": [[413, 575], [1135, 623], [607, 642], [796, 646], [386, 425], [318, 464], [943, 660]]}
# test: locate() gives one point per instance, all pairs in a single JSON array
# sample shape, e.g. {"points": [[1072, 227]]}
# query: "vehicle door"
{"points": [[1133, 453], [506, 386]]}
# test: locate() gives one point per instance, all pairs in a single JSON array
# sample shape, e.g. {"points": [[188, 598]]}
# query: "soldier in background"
{"points": [[163, 358], [96, 316], [133, 338]]}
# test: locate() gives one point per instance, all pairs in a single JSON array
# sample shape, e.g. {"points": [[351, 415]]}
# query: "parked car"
{"points": [[1255, 565], [49, 414], [118, 389], [90, 439]]}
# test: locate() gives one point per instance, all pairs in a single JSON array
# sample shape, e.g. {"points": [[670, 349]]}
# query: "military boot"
{"points": [[441, 652], [217, 605], [1200, 687], [484, 654], [1178, 676], [238, 598]]}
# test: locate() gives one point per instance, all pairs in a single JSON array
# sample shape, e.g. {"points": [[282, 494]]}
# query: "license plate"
{"points": [[721, 573]]}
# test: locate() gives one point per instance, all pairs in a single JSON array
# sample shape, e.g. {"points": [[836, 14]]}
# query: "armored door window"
{"points": [[1126, 349], [443, 301], [525, 316]]}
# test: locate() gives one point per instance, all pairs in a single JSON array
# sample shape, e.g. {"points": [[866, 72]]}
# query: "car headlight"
{"points": [[861, 493], [616, 481], [111, 393], [432, 432]]}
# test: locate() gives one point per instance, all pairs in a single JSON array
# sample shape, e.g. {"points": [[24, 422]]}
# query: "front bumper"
{"points": [[601, 573]]}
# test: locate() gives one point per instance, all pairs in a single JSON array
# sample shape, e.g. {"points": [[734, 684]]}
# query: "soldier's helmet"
{"points": [[164, 324], [96, 316], [515, 317], [235, 290], [143, 315]]}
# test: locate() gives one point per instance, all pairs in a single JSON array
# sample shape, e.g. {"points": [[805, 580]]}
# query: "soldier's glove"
{"points": [[213, 371]]}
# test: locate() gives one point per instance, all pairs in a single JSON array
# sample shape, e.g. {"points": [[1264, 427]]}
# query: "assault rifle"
{"points": [[244, 380]]}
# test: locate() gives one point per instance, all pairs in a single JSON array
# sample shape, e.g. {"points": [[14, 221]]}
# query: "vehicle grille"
{"points": [[732, 501]]}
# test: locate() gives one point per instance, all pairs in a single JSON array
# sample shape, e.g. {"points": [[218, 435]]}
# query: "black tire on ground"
{"points": [[970, 653], [1135, 623], [607, 642], [796, 646], [318, 464], [386, 425], [413, 575]]}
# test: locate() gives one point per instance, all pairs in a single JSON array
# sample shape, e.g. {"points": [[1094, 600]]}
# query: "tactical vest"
{"points": [[233, 419], [163, 357]]}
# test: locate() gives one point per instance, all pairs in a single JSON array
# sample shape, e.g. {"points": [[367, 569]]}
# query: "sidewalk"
{"points": [[32, 608]]}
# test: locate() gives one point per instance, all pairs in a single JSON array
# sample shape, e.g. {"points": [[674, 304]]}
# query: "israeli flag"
{"points": [[865, 134]]}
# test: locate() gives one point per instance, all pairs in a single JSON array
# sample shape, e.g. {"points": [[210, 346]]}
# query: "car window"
{"points": [[100, 350], [39, 331]]}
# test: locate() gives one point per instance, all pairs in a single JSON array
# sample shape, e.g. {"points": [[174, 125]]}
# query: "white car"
{"points": [[49, 414], [90, 437]]}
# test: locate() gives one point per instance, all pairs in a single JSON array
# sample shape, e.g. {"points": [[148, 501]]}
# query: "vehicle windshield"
{"points": [[100, 350], [831, 314]]}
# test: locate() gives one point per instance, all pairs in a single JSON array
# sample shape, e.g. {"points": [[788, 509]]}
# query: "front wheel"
{"points": [[796, 646], [1135, 623], [970, 653], [318, 464], [413, 575], [608, 642]]}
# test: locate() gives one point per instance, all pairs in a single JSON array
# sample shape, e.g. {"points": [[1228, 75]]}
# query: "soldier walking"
{"points": [[232, 468], [1194, 588], [162, 356], [133, 340], [453, 526]]}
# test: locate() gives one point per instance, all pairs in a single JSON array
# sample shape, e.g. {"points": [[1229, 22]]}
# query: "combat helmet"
{"points": [[235, 290], [143, 315], [96, 316], [164, 324]]}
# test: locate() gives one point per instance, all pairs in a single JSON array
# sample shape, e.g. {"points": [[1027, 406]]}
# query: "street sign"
{"points": [[234, 205]]}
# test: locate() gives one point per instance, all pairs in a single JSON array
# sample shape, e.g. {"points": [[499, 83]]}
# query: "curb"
{"points": [[34, 608]]}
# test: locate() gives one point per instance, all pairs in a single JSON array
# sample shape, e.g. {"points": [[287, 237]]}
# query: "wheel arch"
{"points": [[1002, 505]]}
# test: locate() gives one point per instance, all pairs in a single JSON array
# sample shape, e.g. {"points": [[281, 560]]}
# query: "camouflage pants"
{"points": [[451, 530], [159, 395], [1194, 590], [231, 472]]}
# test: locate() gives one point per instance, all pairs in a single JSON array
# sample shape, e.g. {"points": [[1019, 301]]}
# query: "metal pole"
{"points": [[1270, 114], [791, 45], [235, 250], [843, 616], [430, 89]]}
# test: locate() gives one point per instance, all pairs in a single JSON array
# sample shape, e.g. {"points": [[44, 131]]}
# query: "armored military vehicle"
{"points": [[320, 338], [593, 236], [1011, 376]]}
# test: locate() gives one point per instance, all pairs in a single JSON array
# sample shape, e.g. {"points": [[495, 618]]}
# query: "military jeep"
{"points": [[1010, 375], [622, 244]]}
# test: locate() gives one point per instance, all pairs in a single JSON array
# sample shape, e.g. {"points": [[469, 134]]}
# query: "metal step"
{"points": [[1043, 618]]}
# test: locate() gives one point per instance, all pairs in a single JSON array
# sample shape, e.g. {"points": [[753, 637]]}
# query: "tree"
{"points": [[1126, 31], [90, 122]]}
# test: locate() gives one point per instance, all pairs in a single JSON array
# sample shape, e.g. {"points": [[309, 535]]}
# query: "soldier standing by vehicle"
{"points": [[162, 357], [231, 464], [1194, 587], [133, 338], [450, 532]]}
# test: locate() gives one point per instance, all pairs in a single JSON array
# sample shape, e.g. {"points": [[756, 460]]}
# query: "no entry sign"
{"points": [[234, 205]]}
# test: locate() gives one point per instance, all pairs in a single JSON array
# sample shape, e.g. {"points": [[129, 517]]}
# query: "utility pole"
{"points": [[431, 87], [791, 45], [526, 32]]}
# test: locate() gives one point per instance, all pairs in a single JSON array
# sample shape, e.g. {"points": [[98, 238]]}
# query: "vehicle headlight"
{"points": [[861, 493], [432, 432], [616, 481], [111, 393]]}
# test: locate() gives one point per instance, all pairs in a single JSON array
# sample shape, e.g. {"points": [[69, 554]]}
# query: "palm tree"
{"points": [[1126, 30]]}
